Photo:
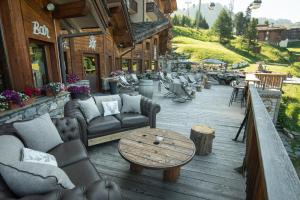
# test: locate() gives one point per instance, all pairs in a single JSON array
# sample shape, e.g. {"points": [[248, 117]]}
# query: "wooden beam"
{"points": [[70, 10]]}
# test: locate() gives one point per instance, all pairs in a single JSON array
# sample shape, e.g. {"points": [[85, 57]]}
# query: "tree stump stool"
{"points": [[202, 136]]}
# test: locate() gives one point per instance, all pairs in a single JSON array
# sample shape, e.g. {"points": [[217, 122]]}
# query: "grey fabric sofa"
{"points": [[72, 158], [103, 129]]}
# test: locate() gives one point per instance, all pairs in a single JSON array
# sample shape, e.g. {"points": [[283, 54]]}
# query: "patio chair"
{"points": [[169, 77], [192, 79], [238, 93], [183, 80], [167, 87], [125, 86], [162, 76], [181, 92], [134, 79]]}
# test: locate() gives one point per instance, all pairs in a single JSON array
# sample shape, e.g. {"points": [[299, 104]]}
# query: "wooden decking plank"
{"points": [[205, 177], [183, 185]]}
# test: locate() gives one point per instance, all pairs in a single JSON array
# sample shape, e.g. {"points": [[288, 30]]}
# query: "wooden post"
{"points": [[172, 174], [203, 137], [136, 169]]}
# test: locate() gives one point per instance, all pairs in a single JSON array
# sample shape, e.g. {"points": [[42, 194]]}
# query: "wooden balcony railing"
{"points": [[132, 6], [270, 173], [270, 81]]}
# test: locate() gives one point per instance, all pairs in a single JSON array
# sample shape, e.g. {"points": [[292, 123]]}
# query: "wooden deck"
{"points": [[205, 177]]}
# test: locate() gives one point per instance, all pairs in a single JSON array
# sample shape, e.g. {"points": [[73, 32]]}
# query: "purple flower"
{"points": [[72, 78], [79, 89], [12, 96]]}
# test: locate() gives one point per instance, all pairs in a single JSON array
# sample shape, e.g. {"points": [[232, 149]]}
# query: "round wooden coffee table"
{"points": [[140, 149]]}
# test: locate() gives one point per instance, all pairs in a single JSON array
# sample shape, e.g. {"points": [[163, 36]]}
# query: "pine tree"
{"points": [[175, 20], [251, 33], [200, 21], [186, 21], [223, 26], [239, 23]]}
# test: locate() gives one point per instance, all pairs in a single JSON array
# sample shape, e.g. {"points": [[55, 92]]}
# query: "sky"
{"points": [[275, 9]]}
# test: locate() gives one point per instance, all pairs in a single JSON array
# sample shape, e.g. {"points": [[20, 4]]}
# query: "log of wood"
{"points": [[202, 136]]}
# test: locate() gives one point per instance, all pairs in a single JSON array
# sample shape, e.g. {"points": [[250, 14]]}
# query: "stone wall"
{"points": [[53, 105], [271, 99]]}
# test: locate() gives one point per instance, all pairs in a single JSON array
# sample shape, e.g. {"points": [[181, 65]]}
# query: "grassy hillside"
{"points": [[202, 44], [200, 50], [203, 35]]}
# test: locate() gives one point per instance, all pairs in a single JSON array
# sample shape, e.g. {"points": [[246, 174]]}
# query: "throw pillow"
{"points": [[39, 134], [100, 99], [25, 178], [110, 108], [89, 109], [10, 148], [131, 104], [29, 155]]}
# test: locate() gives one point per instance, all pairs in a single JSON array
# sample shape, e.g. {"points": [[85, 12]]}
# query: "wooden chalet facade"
{"points": [[41, 41], [270, 34]]}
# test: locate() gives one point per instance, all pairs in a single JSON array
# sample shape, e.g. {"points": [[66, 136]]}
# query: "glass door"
{"points": [[91, 71], [38, 64]]}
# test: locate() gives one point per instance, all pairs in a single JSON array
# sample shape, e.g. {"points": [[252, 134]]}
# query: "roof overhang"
{"points": [[120, 22], [144, 30], [76, 15]]}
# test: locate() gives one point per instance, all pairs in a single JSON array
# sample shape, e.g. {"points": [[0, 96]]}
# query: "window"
{"points": [[153, 65], [125, 65], [38, 64], [147, 46], [147, 64], [89, 64]]}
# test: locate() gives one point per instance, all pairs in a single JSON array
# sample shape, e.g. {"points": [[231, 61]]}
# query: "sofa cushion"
{"points": [[132, 120], [100, 99], [39, 134], [89, 109], [25, 178], [131, 104], [100, 125], [69, 152], [82, 173]]}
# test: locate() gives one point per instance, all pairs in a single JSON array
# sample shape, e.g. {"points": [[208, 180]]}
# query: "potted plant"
{"points": [[54, 88], [113, 81], [14, 99], [32, 93], [3, 104], [79, 92]]}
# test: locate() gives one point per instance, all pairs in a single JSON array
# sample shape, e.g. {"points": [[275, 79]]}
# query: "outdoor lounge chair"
{"points": [[184, 81], [125, 86], [134, 79], [181, 92], [162, 76], [167, 87], [169, 77], [192, 79]]}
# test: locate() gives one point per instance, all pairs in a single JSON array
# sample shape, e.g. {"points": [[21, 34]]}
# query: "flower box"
{"points": [[49, 93], [13, 105], [29, 101]]}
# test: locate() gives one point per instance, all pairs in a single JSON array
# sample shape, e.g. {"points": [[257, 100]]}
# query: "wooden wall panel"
{"points": [[16, 44]]}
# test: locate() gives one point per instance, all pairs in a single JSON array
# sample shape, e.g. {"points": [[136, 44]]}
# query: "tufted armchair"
{"points": [[71, 157]]}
